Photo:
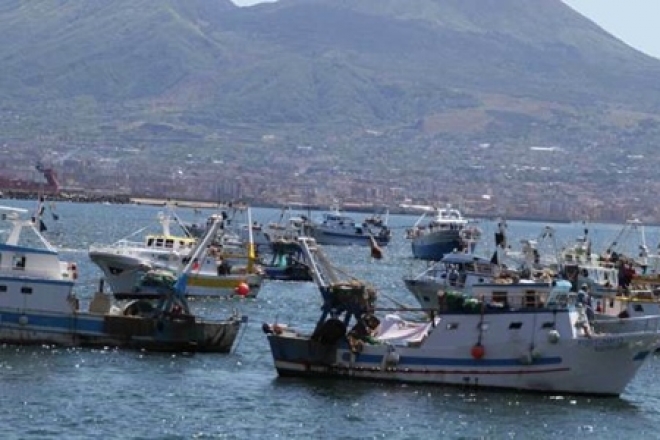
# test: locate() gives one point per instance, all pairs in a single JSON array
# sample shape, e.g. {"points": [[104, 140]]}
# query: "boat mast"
{"points": [[179, 295]]}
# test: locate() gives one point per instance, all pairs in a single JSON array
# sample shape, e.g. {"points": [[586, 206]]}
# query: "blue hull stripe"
{"points": [[25, 250], [66, 324], [452, 362], [37, 281]]}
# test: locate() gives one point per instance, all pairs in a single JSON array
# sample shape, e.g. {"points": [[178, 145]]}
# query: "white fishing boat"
{"points": [[288, 227], [38, 304], [439, 231], [232, 227], [472, 275], [215, 272], [533, 342], [339, 229]]}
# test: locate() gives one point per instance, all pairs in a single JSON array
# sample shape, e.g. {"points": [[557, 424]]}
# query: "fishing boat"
{"points": [[445, 231], [38, 304], [232, 227], [288, 226], [533, 342], [470, 274], [132, 268], [339, 229], [287, 262]]}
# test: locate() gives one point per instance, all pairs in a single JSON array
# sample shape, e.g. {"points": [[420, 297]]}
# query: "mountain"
{"points": [[461, 69]]}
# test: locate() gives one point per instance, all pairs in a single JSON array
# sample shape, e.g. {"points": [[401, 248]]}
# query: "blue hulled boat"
{"points": [[339, 229], [446, 232]]}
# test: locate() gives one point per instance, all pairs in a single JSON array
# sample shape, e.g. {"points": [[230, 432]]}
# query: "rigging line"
{"points": [[132, 234], [343, 272], [405, 307]]}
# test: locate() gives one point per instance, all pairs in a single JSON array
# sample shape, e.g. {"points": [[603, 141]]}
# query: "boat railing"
{"points": [[138, 245], [503, 300], [118, 244], [644, 324]]}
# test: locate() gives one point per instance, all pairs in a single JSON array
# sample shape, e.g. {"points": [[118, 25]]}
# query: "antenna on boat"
{"points": [[13, 215], [37, 218]]}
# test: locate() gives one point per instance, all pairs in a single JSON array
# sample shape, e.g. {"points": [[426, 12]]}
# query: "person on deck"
{"points": [[584, 300]]}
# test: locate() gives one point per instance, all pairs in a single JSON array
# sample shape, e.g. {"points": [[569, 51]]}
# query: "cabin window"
{"points": [[169, 243], [500, 298], [515, 326], [530, 299], [452, 326], [159, 242], [150, 242], [26, 290], [548, 325], [638, 308], [19, 262], [3, 289]]}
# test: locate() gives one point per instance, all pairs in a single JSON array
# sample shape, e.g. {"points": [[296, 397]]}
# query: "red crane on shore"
{"points": [[23, 186]]}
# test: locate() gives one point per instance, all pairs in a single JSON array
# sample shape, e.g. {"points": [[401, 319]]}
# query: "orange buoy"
{"points": [[478, 351], [242, 289]]}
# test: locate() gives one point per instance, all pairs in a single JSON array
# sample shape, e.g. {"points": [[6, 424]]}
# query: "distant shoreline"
{"points": [[201, 204]]}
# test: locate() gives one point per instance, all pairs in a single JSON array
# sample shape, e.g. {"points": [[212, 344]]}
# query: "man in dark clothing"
{"points": [[584, 300]]}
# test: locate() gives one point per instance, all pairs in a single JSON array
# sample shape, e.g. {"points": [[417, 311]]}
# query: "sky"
{"points": [[632, 21]]}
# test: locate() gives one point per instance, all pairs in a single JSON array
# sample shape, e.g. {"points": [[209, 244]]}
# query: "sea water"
{"points": [[50, 392]]}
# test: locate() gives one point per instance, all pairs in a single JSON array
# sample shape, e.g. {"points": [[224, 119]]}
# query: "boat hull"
{"points": [[435, 245], [425, 292], [207, 285], [98, 330], [291, 273], [572, 366], [338, 238], [122, 273]]}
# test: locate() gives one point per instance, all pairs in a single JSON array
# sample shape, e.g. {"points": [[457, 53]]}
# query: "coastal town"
{"points": [[484, 180]]}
